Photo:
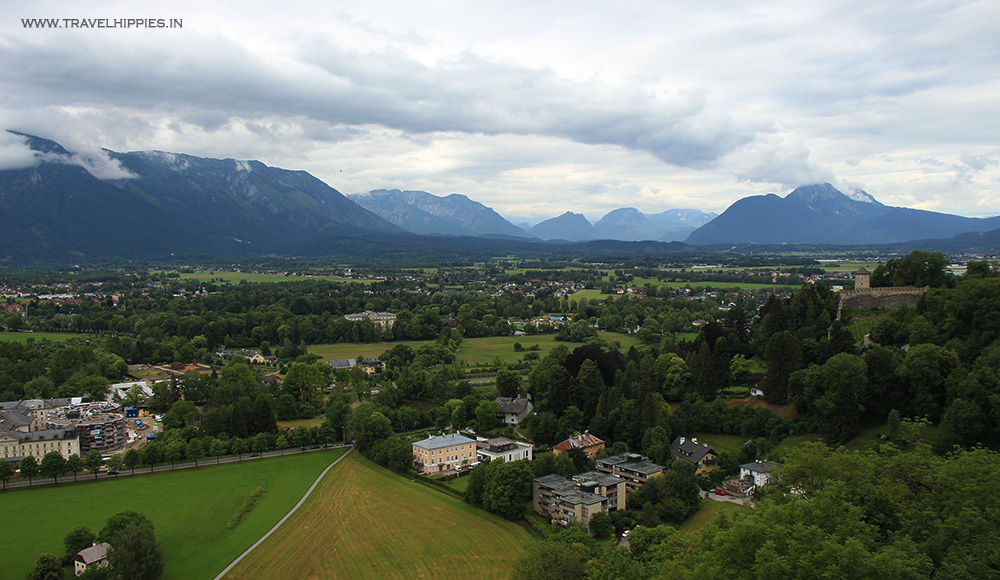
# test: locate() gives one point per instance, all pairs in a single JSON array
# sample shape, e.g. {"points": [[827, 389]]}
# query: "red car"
{"points": [[719, 492]]}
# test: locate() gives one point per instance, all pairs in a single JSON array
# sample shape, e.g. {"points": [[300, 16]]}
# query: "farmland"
{"points": [[53, 336], [474, 351], [364, 522], [189, 508]]}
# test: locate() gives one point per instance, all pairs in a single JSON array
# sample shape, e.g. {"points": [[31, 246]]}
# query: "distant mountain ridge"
{"points": [[821, 214], [424, 213], [172, 204], [626, 224]]}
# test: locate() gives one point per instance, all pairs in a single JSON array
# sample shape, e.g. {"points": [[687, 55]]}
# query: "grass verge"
{"points": [[190, 509], [364, 522]]}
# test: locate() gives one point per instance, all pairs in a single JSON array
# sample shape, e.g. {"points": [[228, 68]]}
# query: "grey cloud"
{"points": [[466, 94], [979, 162]]}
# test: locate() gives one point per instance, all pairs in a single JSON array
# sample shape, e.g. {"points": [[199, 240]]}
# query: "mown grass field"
{"points": [[53, 336], [189, 508], [474, 351], [709, 511], [728, 443], [355, 349], [364, 522]]}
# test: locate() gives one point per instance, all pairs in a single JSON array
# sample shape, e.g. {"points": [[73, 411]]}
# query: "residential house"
{"points": [[635, 469], [439, 453], [702, 456], [372, 365], [95, 556], [383, 319], [513, 410], [343, 364], [502, 448], [759, 472], [563, 500], [590, 445]]}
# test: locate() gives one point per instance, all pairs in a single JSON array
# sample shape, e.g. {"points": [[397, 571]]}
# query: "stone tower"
{"points": [[862, 279]]}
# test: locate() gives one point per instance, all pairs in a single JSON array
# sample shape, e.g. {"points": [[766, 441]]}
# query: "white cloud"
{"points": [[536, 108]]}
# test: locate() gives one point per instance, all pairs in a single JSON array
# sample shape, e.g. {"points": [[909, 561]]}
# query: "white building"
{"points": [[502, 448]]}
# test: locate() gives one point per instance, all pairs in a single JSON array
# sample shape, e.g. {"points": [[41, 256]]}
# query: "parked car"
{"points": [[112, 472], [625, 534], [719, 492]]}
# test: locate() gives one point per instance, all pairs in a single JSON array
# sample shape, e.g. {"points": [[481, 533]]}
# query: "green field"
{"points": [[709, 511], [728, 443], [476, 351], [364, 522], [355, 349], [293, 423], [53, 336], [189, 508]]}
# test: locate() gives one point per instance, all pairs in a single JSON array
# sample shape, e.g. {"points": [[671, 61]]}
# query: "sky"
{"points": [[532, 108]]}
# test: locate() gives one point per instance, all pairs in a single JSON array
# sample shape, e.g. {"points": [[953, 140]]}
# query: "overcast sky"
{"points": [[535, 108]]}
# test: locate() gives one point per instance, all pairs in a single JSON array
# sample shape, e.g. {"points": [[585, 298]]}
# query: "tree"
{"points": [[74, 464], [136, 554], [217, 449], [93, 461], [6, 471], [29, 467], [152, 453], [53, 465], [281, 443], [486, 415], [784, 357], [120, 521], [508, 382], [600, 525], [47, 567], [240, 447], [507, 487], [550, 561], [115, 463], [174, 451], [195, 450], [78, 539], [131, 459]]}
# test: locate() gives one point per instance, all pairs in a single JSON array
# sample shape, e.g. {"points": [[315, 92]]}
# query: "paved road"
{"points": [[142, 470]]}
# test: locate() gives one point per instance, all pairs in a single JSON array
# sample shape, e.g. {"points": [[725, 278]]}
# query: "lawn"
{"points": [[341, 350], [189, 508], [477, 351], [709, 511], [781, 449], [308, 423], [474, 351], [53, 336], [364, 522], [728, 443]]}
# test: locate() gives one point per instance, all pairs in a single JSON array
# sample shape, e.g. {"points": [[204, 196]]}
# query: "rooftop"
{"points": [[442, 441]]}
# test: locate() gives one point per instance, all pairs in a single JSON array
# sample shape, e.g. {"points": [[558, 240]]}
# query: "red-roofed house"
{"points": [[590, 445]]}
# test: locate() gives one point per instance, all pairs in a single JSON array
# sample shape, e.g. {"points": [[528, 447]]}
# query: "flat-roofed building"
{"points": [[563, 500], [502, 448], [438, 453], [635, 469]]}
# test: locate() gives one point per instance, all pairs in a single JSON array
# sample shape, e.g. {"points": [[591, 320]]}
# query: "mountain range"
{"points": [[821, 214], [424, 213], [155, 204]]}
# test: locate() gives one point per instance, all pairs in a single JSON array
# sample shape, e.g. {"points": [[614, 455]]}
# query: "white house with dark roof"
{"points": [[759, 472], [513, 410], [438, 453], [95, 556]]}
